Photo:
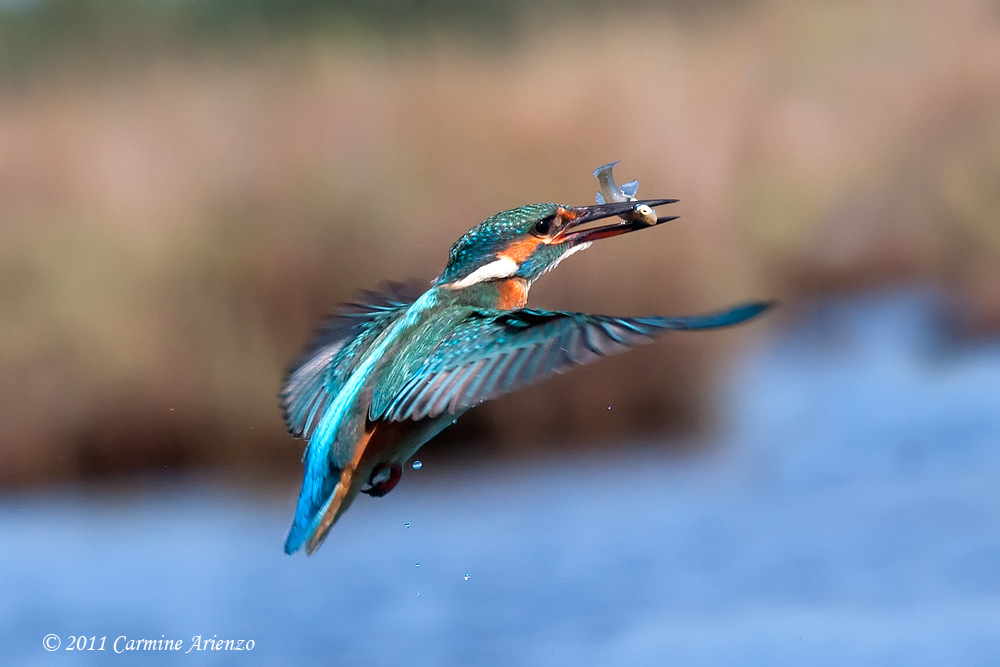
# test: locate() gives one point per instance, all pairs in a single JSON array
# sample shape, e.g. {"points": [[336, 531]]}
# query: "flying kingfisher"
{"points": [[384, 376]]}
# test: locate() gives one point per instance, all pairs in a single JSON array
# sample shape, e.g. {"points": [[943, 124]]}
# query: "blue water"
{"points": [[847, 513]]}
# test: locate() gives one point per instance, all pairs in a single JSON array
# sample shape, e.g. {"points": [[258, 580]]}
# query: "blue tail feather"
{"points": [[312, 498]]}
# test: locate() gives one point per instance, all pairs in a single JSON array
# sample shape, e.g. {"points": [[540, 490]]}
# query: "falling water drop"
{"points": [[417, 465]]}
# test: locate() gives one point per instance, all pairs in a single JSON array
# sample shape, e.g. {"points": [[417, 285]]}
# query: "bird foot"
{"points": [[383, 479]]}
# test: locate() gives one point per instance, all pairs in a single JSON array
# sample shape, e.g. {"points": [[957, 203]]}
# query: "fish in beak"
{"points": [[633, 215]]}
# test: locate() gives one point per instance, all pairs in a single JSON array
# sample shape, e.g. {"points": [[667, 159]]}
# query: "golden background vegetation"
{"points": [[181, 202]]}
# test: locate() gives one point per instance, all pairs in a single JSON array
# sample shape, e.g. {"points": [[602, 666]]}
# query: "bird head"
{"points": [[527, 241]]}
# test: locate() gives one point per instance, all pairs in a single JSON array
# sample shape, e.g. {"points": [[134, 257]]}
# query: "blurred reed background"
{"points": [[187, 187]]}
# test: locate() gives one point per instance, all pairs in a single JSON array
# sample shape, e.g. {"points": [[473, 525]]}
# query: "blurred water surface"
{"points": [[848, 514]]}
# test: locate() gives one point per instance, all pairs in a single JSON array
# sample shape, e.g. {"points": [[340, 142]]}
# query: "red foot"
{"points": [[383, 479]]}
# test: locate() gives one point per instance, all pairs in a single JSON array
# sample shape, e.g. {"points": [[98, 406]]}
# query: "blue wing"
{"points": [[493, 352], [319, 374]]}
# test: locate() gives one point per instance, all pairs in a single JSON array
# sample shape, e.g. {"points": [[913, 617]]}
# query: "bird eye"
{"points": [[543, 227]]}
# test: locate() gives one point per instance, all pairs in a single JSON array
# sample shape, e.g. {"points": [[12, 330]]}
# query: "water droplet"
{"points": [[406, 525], [609, 407], [467, 575], [417, 465]]}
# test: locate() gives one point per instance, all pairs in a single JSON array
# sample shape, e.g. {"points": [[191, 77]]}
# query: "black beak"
{"points": [[577, 217]]}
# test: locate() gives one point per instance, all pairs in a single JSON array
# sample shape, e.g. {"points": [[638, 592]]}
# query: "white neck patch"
{"points": [[572, 251], [504, 267]]}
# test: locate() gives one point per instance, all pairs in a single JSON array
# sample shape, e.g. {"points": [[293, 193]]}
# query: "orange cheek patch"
{"points": [[513, 294], [521, 249]]}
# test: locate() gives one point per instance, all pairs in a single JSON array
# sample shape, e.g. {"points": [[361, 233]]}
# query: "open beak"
{"points": [[576, 231]]}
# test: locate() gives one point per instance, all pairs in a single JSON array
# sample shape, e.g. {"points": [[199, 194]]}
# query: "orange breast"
{"points": [[513, 293]]}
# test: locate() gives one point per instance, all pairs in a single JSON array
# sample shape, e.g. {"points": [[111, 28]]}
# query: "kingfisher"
{"points": [[384, 375]]}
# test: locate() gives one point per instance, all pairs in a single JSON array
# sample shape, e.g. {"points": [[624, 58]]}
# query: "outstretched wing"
{"points": [[493, 352], [318, 375]]}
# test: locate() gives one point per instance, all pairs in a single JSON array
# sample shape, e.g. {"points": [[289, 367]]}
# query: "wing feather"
{"points": [[493, 352], [319, 374]]}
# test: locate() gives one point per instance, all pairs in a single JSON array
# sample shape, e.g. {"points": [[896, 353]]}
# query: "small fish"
{"points": [[611, 193]]}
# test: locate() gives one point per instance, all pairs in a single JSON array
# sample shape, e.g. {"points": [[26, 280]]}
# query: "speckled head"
{"points": [[527, 241]]}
